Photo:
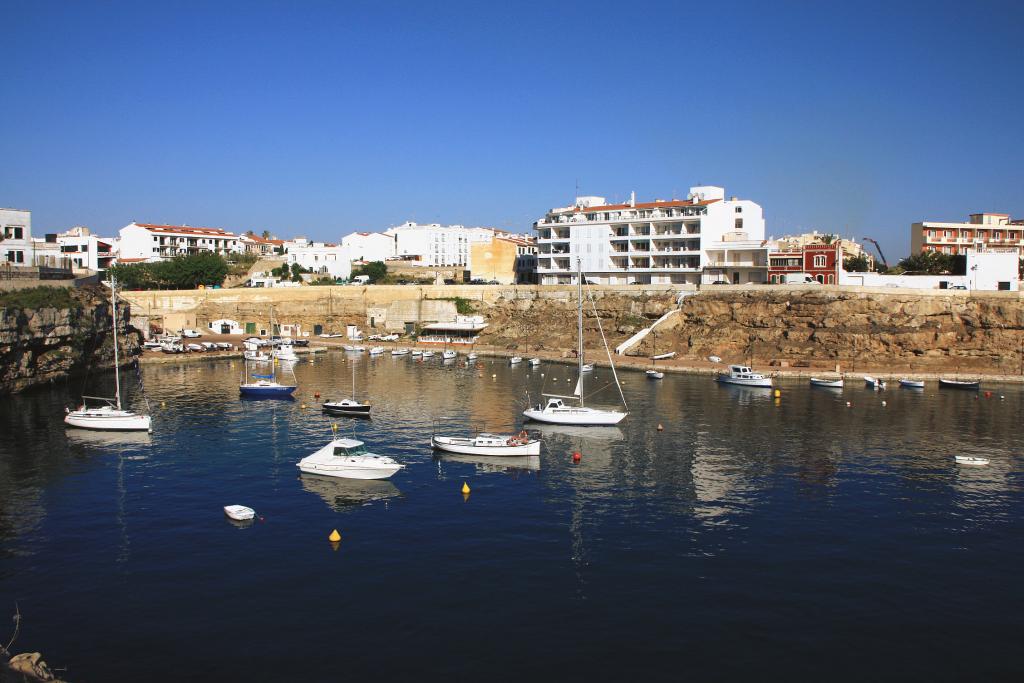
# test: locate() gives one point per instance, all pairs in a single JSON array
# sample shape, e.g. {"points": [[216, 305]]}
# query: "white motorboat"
{"points": [[416, 352], [400, 352], [286, 352], [655, 374], [534, 362], [515, 360], [239, 513], [376, 350], [488, 444], [428, 354], [471, 356], [874, 383], [827, 383], [448, 355], [153, 345], [912, 383], [971, 460], [555, 411], [587, 367], [349, 459], [742, 375], [110, 416]]}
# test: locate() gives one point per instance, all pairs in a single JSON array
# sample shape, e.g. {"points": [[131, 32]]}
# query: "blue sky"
{"points": [[324, 118]]}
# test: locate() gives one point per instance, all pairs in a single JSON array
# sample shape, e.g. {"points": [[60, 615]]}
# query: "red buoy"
{"points": [[316, 395], [577, 456]]}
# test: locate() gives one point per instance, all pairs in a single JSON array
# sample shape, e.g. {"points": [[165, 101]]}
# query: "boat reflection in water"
{"points": [[340, 494], [98, 439], [494, 463]]}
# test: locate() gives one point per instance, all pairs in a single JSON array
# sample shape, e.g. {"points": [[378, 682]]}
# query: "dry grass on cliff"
{"points": [[39, 297]]}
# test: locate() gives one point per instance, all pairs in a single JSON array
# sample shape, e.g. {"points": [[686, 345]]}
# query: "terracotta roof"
{"points": [[645, 205], [517, 240], [130, 260], [188, 230]]}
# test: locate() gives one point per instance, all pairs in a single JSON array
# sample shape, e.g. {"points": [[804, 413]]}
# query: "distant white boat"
{"points": [[488, 444], [827, 383], [354, 349], [664, 356], [416, 352], [514, 360], [400, 352], [428, 354], [285, 352], [471, 356], [874, 383], [912, 383], [969, 385], [970, 460], [534, 361], [377, 351], [587, 367], [239, 513], [743, 376], [655, 374], [349, 459], [448, 355], [714, 359]]}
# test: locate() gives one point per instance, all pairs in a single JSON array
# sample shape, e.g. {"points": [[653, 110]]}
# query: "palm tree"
{"points": [[266, 234]]}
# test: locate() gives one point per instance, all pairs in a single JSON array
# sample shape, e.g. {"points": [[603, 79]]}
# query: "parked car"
{"points": [[191, 334], [720, 282], [958, 286]]}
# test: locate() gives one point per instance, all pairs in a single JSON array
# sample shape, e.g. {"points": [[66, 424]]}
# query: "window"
{"points": [[13, 232], [820, 279], [739, 223], [820, 261]]}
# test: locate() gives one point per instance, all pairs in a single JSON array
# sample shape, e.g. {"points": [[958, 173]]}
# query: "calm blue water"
{"points": [[751, 538]]}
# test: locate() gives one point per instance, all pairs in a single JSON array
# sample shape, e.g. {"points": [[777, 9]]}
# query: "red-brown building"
{"points": [[820, 261]]}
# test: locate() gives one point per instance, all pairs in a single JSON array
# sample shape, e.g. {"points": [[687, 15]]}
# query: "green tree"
{"points": [[928, 263], [828, 239], [375, 270], [266, 234], [856, 264], [297, 272]]}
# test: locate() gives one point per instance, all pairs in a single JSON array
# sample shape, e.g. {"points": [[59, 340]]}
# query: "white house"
{"points": [[322, 259], [659, 242], [16, 233], [436, 245], [87, 251], [992, 269], [226, 326], [146, 241], [369, 246]]}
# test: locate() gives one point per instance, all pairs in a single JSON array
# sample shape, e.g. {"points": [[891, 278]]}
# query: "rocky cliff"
{"points": [[63, 333], [980, 332]]}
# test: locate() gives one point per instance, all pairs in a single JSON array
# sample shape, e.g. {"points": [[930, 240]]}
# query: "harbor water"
{"points": [[821, 534]]}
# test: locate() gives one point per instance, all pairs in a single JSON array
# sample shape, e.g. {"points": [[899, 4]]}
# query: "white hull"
{"points": [[347, 465], [534, 361], [575, 416], [108, 419], [662, 356], [466, 446], [654, 374], [912, 384], [352, 471], [827, 383], [239, 513], [400, 352], [514, 360], [970, 460], [761, 383]]}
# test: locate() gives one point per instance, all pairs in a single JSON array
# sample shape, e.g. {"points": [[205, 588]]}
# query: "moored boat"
{"points": [[349, 459], [970, 460], [239, 513], [827, 383], [448, 355], [664, 356], [376, 350], [912, 383], [515, 360], [655, 374], [968, 385], [534, 362], [400, 352], [346, 406], [874, 383], [742, 375], [488, 444]]}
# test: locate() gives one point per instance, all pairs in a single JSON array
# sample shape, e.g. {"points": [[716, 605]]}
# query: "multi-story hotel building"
{"points": [[436, 245], [144, 241], [659, 242], [983, 230]]}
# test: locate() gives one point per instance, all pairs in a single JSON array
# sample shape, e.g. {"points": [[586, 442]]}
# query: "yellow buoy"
{"points": [[303, 406], [465, 488], [334, 537], [778, 393]]}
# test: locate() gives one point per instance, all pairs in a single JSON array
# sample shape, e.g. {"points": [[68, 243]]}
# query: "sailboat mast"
{"points": [[579, 324], [353, 380], [117, 369]]}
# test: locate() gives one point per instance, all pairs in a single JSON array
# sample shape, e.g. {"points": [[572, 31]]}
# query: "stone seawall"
{"points": [[45, 344]]}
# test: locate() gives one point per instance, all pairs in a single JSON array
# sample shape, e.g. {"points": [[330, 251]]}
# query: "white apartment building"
{"points": [[322, 259], [982, 230], [86, 250], [436, 245], [16, 231], [148, 242], [369, 246], [659, 242]]}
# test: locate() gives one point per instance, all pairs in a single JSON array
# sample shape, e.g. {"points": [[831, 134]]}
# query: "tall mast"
{"points": [[353, 380], [117, 369], [579, 323]]}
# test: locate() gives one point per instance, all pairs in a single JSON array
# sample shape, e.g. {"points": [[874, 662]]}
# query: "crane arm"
{"points": [[885, 263]]}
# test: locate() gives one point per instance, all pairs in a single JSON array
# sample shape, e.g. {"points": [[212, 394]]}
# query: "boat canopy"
{"points": [[264, 376]]}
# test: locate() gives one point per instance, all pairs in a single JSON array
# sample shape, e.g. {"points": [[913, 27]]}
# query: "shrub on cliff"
{"points": [[38, 297], [375, 270], [181, 272]]}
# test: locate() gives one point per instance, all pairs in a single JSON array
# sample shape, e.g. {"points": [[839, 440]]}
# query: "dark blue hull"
{"points": [[266, 391]]}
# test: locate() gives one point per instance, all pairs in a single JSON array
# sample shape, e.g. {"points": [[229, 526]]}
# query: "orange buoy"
{"points": [[316, 394], [577, 456]]}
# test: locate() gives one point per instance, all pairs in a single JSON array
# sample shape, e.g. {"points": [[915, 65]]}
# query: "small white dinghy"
{"points": [[427, 354], [912, 383], [827, 383], [416, 352], [874, 383], [239, 513], [970, 460], [655, 374], [587, 367], [448, 355], [472, 356], [515, 360], [400, 352], [534, 361], [664, 356], [377, 351]]}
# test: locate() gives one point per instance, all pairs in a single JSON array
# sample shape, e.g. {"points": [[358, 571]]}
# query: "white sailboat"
{"points": [[266, 386], [654, 373], [555, 411], [107, 414]]}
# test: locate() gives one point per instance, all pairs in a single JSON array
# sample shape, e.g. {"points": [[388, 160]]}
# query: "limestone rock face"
{"points": [[45, 344]]}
